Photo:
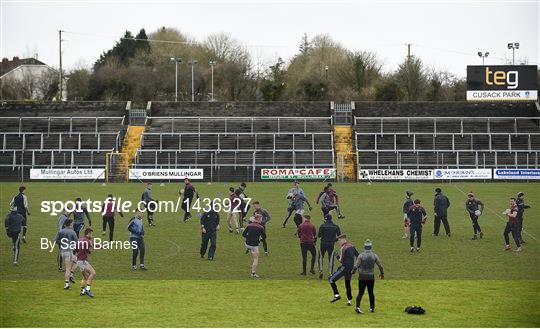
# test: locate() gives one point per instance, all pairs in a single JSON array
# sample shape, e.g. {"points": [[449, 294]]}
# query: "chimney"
{"points": [[5, 60]]}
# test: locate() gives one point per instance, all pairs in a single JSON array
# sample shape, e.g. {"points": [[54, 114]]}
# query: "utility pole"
{"points": [[212, 63], [409, 52], [176, 61], [61, 78]]}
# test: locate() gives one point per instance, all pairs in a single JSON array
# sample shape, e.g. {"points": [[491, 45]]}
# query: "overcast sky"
{"points": [[446, 34]]}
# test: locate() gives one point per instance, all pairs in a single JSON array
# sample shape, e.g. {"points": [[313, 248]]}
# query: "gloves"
{"points": [[354, 270], [310, 209], [381, 276]]}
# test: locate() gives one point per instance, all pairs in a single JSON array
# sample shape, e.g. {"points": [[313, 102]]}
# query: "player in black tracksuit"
{"points": [[13, 223], [521, 210], [347, 257], [20, 201], [472, 205], [417, 217], [244, 207], [189, 194], [441, 205], [328, 234], [209, 227]]}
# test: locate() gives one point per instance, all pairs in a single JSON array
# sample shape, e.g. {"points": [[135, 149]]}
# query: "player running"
{"points": [[189, 194], [244, 206], [328, 235], [296, 197], [253, 235], [233, 216], [417, 217], [329, 201], [136, 238], [365, 264], [146, 199], [512, 226], [109, 209], [406, 206], [347, 256], [209, 227], [66, 239], [78, 216], [521, 210], [307, 233], [84, 247], [475, 208], [20, 202], [13, 224], [265, 218], [64, 216]]}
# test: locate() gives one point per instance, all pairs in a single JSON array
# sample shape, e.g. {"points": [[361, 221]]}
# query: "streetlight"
{"points": [[483, 55], [326, 72], [192, 62], [212, 63], [513, 46], [176, 61]]}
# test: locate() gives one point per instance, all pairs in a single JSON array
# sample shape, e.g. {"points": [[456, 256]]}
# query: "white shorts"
{"points": [[300, 211], [82, 264], [405, 218], [253, 249], [68, 256]]}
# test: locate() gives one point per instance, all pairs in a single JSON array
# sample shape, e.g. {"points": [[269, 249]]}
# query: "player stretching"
{"points": [[417, 217], [328, 235], [233, 216], [512, 225], [84, 246], [475, 208], [265, 218], [78, 216], [148, 202], [330, 201], [65, 239], [189, 193], [406, 206], [13, 223], [20, 202], [253, 235], [347, 256]]}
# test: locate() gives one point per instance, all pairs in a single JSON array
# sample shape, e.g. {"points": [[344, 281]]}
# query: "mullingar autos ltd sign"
{"points": [[502, 83]]}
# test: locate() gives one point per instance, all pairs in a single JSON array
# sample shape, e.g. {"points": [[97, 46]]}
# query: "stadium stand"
{"points": [[233, 140], [58, 135], [447, 135]]}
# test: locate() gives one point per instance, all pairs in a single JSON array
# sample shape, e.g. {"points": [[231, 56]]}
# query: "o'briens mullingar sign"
{"points": [[298, 173], [166, 174], [501, 82]]}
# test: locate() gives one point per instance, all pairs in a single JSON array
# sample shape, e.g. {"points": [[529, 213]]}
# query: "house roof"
{"points": [[9, 65]]}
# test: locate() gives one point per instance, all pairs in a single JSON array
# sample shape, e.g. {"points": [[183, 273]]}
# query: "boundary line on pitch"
{"points": [[498, 215]]}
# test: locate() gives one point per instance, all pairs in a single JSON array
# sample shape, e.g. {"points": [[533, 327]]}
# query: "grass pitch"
{"points": [[460, 282]]}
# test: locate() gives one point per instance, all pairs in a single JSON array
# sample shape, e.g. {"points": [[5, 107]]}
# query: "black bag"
{"points": [[415, 309]]}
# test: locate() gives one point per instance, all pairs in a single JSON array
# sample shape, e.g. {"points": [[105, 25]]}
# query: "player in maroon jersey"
{"points": [[84, 247], [512, 225]]}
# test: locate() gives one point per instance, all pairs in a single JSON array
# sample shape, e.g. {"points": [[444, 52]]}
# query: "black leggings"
{"points": [[305, 248], [418, 230], [326, 249], [362, 284], [139, 250], [110, 221], [511, 228], [475, 225]]}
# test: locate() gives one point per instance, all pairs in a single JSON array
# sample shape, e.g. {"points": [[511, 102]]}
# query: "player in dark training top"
{"points": [[328, 235], [20, 202], [406, 206], [417, 217], [347, 256], [253, 234], [189, 194], [475, 208]]}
